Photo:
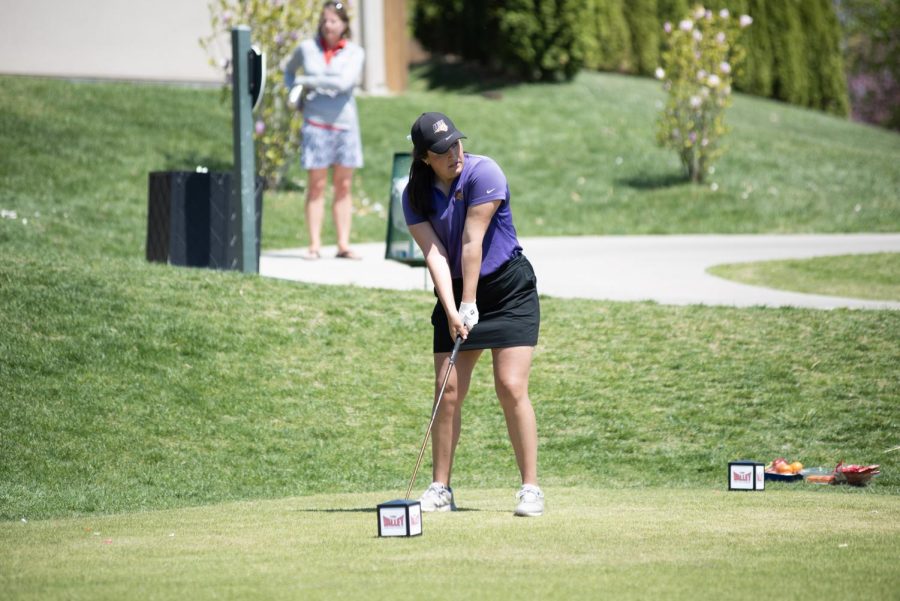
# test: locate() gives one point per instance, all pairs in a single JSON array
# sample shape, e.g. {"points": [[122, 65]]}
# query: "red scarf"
{"points": [[330, 52]]}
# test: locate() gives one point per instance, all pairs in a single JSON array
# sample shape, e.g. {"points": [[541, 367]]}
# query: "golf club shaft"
{"points": [[434, 411]]}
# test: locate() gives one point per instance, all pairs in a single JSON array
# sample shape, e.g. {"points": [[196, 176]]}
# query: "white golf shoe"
{"points": [[437, 498], [531, 501]]}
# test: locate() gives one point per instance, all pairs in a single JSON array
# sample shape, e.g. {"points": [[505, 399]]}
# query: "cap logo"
{"points": [[440, 127]]}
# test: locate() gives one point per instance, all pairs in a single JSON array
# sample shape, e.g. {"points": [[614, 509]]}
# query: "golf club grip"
{"points": [[455, 352]]}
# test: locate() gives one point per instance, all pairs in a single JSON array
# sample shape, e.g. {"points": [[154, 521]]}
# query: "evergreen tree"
{"points": [[645, 28], [828, 84], [614, 37], [788, 52], [756, 77], [672, 11]]}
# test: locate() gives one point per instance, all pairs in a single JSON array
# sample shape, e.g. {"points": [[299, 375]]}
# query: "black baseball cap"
{"points": [[434, 132]]}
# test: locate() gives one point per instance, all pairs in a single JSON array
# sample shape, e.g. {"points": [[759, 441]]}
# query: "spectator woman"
{"points": [[331, 66]]}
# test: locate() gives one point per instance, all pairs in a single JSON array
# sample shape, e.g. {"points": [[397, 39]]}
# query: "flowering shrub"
{"points": [[698, 63], [276, 27]]}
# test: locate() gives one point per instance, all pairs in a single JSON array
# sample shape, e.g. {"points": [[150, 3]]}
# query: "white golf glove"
{"points": [[296, 97], [469, 314]]}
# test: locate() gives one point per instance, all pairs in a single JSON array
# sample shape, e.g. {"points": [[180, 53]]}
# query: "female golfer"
{"points": [[457, 208]]}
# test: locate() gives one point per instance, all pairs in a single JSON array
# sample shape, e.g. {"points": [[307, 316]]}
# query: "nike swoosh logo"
{"points": [[491, 190]]}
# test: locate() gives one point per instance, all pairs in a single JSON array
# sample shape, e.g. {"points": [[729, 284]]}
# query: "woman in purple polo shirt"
{"points": [[457, 208]]}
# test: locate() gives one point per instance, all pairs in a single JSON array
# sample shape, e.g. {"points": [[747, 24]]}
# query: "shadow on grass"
{"points": [[452, 75], [654, 181]]}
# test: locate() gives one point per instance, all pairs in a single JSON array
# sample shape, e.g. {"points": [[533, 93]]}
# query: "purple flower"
{"points": [[686, 25], [667, 27], [725, 68], [724, 13], [745, 20], [260, 127]]}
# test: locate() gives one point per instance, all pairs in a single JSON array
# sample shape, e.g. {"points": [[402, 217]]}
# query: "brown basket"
{"points": [[857, 478]]}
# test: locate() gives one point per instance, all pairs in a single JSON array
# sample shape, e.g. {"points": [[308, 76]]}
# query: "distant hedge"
{"points": [[793, 46]]}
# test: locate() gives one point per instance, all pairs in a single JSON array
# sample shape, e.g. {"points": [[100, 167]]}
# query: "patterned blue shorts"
{"points": [[321, 148]]}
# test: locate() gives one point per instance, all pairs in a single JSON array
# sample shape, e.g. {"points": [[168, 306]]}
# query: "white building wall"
{"points": [[154, 40]]}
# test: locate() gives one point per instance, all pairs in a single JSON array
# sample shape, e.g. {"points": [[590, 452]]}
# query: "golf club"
{"points": [[437, 404]]}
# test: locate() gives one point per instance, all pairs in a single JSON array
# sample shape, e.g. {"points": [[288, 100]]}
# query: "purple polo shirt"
{"points": [[481, 181]]}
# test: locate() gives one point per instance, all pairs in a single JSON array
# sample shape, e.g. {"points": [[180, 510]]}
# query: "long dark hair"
{"points": [[421, 183], [341, 9]]}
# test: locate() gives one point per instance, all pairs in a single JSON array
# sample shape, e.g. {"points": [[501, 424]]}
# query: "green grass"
{"points": [[133, 393], [622, 544], [581, 159], [875, 276], [134, 386]]}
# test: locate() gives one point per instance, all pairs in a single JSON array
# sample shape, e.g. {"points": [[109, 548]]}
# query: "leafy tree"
{"points": [[276, 26], [872, 32]]}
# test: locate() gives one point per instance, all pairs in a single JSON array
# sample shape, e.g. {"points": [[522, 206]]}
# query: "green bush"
{"points": [[539, 38], [532, 39], [701, 55], [276, 27], [793, 51]]}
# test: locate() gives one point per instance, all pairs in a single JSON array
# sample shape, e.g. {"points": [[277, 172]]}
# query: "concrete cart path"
{"points": [[666, 269]]}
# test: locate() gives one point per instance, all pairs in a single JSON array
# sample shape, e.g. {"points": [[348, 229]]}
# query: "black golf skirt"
{"points": [[508, 307]]}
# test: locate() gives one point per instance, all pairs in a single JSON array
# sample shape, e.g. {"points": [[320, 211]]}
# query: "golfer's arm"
{"points": [[436, 260], [478, 218]]}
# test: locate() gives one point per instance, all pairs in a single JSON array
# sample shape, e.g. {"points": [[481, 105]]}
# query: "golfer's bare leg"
{"points": [[512, 367], [445, 432], [342, 209], [315, 206]]}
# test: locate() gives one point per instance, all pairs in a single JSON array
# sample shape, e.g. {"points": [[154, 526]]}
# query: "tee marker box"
{"points": [[400, 517], [746, 475]]}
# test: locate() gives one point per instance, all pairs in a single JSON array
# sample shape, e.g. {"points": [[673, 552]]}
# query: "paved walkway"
{"points": [[666, 269]]}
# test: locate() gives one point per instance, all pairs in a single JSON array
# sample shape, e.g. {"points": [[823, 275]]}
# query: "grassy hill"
{"points": [[130, 386]]}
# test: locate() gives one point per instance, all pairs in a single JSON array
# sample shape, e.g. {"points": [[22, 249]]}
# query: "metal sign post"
{"points": [[244, 179]]}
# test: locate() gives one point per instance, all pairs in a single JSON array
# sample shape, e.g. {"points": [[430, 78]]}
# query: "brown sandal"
{"points": [[348, 254]]}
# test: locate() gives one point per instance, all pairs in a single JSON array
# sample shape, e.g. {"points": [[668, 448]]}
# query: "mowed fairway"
{"points": [[172, 433], [788, 543]]}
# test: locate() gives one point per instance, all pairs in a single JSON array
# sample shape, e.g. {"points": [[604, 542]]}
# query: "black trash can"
{"points": [[193, 219]]}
